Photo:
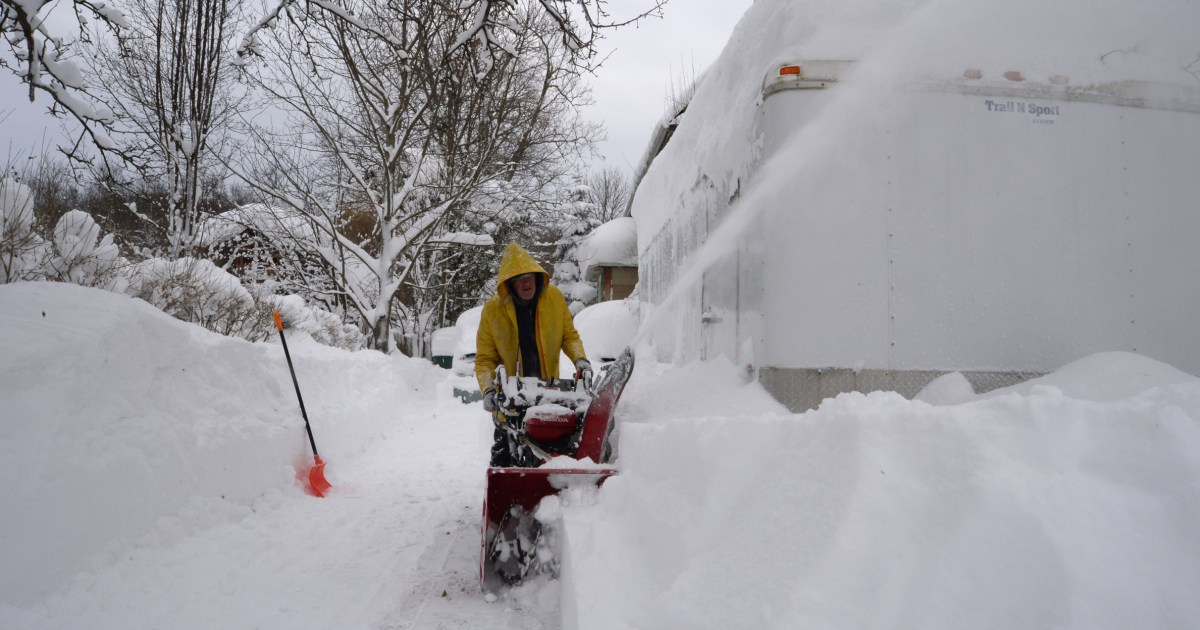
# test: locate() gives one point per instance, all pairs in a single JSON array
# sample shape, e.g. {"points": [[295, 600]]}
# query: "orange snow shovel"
{"points": [[316, 476]]}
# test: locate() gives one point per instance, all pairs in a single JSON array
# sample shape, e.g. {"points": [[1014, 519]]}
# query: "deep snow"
{"points": [[154, 467], [152, 485]]}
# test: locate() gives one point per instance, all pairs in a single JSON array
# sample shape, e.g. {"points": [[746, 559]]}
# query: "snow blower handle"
{"points": [[584, 377]]}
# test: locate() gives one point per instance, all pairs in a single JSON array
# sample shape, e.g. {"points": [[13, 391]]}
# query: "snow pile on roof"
{"points": [[464, 238], [899, 41], [273, 223], [613, 244]]}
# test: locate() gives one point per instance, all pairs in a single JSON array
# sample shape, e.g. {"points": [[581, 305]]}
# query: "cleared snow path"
{"points": [[395, 546]]}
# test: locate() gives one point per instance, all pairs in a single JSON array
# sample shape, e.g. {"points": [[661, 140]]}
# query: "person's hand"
{"points": [[489, 400], [583, 371]]}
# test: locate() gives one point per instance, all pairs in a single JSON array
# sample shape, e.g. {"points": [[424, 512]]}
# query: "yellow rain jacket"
{"points": [[497, 340]]}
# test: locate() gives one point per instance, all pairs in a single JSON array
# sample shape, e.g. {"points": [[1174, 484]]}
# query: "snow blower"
{"points": [[316, 475], [543, 423]]}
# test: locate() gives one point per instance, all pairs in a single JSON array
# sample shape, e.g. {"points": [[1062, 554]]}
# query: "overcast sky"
{"points": [[630, 89]]}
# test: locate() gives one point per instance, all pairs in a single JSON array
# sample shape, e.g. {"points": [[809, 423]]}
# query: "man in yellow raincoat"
{"points": [[524, 326]]}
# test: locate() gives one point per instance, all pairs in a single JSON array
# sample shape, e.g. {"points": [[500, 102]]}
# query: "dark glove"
{"points": [[489, 400], [583, 371]]}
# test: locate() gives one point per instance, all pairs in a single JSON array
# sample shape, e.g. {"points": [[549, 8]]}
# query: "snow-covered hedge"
{"points": [[80, 255], [198, 291], [75, 253], [189, 289], [323, 326]]}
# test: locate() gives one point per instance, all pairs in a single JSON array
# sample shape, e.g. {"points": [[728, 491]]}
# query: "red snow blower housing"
{"points": [[541, 423]]}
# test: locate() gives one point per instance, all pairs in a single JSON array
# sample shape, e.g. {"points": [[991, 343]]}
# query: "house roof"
{"points": [[271, 222], [613, 244]]}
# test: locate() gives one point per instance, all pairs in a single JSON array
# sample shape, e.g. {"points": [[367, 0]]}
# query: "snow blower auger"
{"points": [[543, 422]]}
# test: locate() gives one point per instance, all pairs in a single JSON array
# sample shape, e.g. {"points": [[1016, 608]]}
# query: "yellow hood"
{"points": [[498, 339], [515, 262]]}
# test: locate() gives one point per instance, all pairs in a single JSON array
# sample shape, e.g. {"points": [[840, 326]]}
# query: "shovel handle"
{"points": [[296, 383]]}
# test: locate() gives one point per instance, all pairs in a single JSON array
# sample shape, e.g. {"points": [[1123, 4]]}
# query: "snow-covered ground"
{"points": [[154, 484], [151, 484]]}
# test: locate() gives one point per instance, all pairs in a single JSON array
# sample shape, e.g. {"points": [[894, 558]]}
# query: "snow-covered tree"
{"points": [[520, 202], [41, 52], [199, 292], [579, 214], [610, 192], [19, 244], [388, 150], [172, 90], [490, 24]]}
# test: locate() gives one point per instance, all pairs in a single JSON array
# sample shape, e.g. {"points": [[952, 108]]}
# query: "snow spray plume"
{"points": [[853, 103], [917, 48]]}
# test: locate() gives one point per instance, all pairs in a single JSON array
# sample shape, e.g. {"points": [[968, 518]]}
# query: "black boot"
{"points": [[501, 455]]}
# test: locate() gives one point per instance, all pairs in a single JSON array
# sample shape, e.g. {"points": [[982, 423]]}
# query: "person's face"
{"points": [[526, 286]]}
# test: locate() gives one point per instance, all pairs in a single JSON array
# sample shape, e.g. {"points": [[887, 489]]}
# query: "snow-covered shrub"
{"points": [[75, 253], [20, 247], [324, 327], [78, 254], [198, 291]]}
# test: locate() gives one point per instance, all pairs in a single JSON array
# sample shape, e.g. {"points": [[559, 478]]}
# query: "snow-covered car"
{"points": [[607, 328]]}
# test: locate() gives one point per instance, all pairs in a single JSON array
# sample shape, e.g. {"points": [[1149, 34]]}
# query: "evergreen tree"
{"points": [[579, 213]]}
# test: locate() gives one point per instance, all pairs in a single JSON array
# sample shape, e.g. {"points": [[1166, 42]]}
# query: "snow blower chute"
{"points": [[542, 423]]}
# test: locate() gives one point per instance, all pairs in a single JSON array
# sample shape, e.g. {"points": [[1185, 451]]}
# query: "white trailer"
{"points": [[991, 222]]}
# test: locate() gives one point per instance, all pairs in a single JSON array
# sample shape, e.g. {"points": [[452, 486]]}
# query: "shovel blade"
{"points": [[316, 478]]}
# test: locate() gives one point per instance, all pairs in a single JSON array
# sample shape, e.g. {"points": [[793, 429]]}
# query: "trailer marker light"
{"points": [[1013, 75], [973, 74], [786, 70]]}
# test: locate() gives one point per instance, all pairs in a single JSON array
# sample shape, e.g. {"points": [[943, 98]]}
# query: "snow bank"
{"points": [[116, 417], [1068, 502], [607, 328]]}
